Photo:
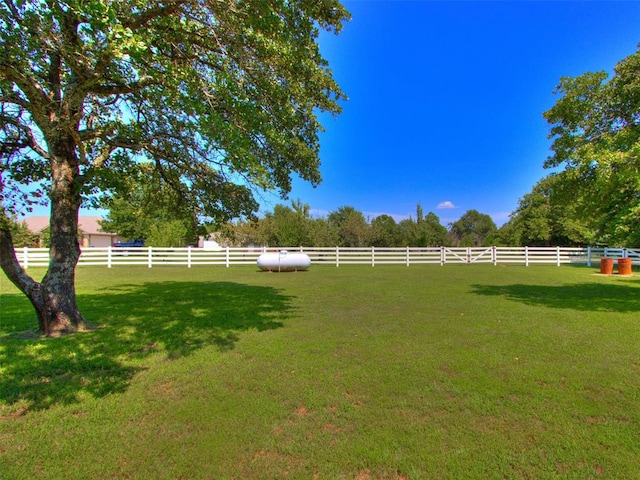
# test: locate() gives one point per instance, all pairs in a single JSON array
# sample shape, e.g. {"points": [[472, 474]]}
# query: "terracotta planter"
{"points": [[624, 266], [606, 266]]}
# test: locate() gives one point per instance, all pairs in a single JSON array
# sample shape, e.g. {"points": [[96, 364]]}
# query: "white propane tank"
{"points": [[283, 261]]}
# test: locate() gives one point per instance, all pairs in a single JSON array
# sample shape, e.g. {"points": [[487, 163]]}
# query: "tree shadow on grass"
{"points": [[618, 297], [174, 318]]}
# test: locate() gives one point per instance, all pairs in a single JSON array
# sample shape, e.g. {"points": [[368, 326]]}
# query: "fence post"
{"points": [[494, 255], [557, 256], [373, 256], [25, 257], [109, 256], [150, 257], [588, 256], [408, 261], [188, 257], [337, 256], [226, 260], [443, 256], [526, 256]]}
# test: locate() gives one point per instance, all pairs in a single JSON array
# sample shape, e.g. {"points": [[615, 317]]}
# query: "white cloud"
{"points": [[446, 204]]}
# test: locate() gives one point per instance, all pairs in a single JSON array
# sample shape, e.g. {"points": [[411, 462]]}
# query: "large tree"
{"points": [[546, 216], [148, 208], [424, 231], [595, 127], [472, 229], [353, 229], [289, 226], [384, 232], [224, 92]]}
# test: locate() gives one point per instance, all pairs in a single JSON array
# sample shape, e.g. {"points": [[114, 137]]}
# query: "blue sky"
{"points": [[446, 100]]}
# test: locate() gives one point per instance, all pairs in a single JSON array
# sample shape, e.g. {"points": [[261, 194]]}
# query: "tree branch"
{"points": [[15, 99], [38, 100], [145, 17], [27, 140], [9, 261]]}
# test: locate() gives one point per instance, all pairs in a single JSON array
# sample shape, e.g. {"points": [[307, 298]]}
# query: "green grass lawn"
{"points": [[468, 371]]}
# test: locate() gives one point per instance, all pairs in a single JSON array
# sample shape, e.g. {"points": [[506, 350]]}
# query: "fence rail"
{"points": [[189, 257]]}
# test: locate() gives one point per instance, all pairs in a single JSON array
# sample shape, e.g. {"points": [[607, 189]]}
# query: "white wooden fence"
{"points": [[190, 257]]}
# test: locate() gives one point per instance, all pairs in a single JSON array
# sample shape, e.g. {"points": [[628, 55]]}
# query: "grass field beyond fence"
{"points": [[468, 371]]}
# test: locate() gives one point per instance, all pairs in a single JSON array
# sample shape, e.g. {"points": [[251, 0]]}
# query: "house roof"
{"points": [[87, 224], [91, 225], [36, 224]]}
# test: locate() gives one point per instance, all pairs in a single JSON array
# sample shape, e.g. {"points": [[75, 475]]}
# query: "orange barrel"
{"points": [[606, 266], [624, 266]]}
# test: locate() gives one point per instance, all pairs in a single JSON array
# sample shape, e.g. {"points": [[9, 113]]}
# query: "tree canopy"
{"points": [[472, 229], [351, 226], [289, 225], [424, 230], [545, 216], [226, 92], [221, 96], [595, 127], [346, 227], [148, 208]]}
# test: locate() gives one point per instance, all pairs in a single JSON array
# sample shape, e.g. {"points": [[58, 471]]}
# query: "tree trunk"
{"points": [[54, 298], [56, 306], [58, 312]]}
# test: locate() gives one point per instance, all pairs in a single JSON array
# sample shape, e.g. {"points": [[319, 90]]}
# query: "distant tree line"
{"points": [[548, 215], [347, 227], [543, 217]]}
